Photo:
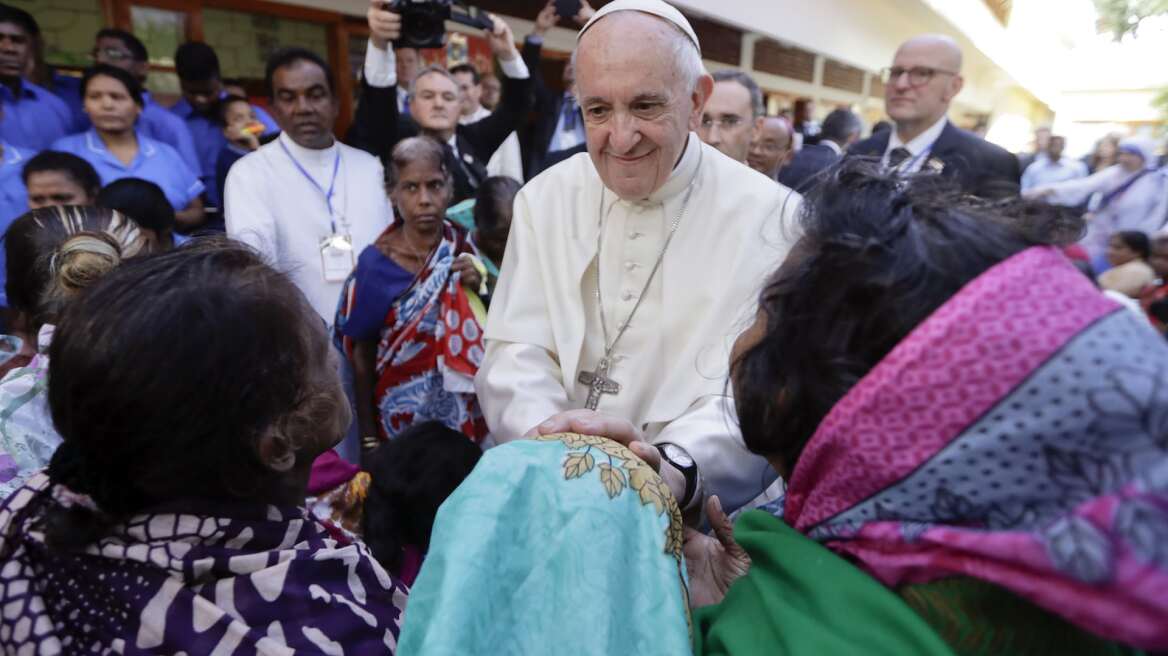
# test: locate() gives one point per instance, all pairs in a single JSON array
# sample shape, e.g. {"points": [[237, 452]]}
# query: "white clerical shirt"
{"points": [[507, 160], [271, 206], [672, 363]]}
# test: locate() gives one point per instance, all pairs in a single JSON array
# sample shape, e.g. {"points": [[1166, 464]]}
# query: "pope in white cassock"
{"points": [[631, 269]]}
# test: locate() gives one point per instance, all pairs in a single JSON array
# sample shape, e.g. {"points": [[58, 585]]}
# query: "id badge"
{"points": [[336, 257]]}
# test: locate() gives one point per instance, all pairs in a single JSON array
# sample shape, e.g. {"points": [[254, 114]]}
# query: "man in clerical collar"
{"points": [[922, 82], [308, 203], [33, 117], [630, 270]]}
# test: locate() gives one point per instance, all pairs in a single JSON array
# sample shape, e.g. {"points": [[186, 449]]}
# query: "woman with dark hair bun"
{"points": [[169, 519], [1128, 252]]}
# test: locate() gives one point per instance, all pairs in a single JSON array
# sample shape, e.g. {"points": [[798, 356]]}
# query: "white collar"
{"points": [[309, 156], [922, 141], [477, 115], [835, 148]]}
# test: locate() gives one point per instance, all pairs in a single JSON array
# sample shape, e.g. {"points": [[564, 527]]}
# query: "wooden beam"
{"points": [[274, 9], [338, 47]]}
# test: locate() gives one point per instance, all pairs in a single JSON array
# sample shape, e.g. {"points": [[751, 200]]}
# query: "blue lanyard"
{"points": [[328, 195]]}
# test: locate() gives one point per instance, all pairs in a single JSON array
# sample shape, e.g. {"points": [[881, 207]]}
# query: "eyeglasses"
{"points": [[110, 54], [728, 122], [918, 76]]}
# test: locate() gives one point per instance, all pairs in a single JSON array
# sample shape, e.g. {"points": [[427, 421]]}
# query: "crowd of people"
{"points": [[630, 366]]}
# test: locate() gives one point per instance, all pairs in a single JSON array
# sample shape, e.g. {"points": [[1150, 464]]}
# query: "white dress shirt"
{"points": [[919, 147]]}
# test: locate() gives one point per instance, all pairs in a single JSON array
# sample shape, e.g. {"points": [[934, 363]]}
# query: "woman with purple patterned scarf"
{"points": [[169, 520], [958, 412]]}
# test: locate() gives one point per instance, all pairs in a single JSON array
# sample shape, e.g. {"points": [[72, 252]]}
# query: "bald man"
{"points": [[922, 82], [771, 147]]}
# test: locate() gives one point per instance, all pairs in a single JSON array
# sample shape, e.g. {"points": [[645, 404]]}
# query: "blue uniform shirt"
{"points": [[13, 198], [33, 118], [68, 89], [209, 141], [156, 162]]}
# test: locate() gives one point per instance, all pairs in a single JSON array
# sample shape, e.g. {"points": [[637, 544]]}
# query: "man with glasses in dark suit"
{"points": [[923, 80]]}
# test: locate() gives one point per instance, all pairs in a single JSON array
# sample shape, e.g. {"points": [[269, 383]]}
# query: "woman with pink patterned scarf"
{"points": [[960, 414]]}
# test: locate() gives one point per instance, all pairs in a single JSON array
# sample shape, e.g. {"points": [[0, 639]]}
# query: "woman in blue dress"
{"points": [[113, 101]]}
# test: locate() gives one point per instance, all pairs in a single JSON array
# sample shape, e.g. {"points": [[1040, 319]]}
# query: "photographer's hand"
{"points": [[502, 40], [585, 14], [546, 19], [384, 25]]}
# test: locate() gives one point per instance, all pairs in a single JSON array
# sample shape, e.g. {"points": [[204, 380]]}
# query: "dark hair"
{"points": [[878, 255], [133, 86], [286, 57], [495, 196], [228, 101], [76, 169], [881, 126], [142, 201], [34, 239], [840, 125], [413, 148], [1136, 241], [467, 68], [410, 477], [757, 104], [231, 360], [20, 18], [196, 62], [133, 44]]}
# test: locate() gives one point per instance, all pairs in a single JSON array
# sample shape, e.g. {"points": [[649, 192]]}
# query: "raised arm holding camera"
{"points": [[434, 102]]}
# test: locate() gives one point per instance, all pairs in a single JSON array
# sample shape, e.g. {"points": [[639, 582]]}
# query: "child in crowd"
{"points": [[242, 130], [492, 216], [143, 203]]}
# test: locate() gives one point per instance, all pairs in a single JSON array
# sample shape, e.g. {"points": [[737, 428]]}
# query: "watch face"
{"points": [[677, 456]]}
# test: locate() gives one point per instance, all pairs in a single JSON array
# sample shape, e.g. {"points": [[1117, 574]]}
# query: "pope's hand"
{"points": [[713, 562], [590, 422]]}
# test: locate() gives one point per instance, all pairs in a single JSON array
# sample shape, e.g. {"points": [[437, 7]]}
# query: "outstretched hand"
{"points": [[501, 39], [546, 19], [713, 562], [384, 25]]}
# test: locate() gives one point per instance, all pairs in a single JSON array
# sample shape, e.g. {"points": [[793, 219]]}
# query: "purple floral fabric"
{"points": [[191, 578]]}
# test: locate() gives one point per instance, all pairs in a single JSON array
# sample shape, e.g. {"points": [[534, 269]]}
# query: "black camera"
{"points": [[424, 21]]}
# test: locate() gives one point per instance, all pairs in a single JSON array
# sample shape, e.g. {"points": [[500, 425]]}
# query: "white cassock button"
{"points": [[628, 296], [631, 266]]}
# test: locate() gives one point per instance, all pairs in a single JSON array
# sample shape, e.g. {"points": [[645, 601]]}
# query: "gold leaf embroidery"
{"points": [[612, 479], [578, 464], [575, 441]]}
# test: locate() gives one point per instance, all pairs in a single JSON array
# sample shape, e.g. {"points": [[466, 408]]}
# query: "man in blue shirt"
{"points": [[197, 66], [33, 117], [123, 50]]}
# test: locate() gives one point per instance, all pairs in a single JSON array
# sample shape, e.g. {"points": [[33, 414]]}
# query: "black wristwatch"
{"points": [[680, 458]]}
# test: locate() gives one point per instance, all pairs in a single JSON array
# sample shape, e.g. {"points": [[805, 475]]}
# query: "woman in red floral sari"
{"points": [[407, 318]]}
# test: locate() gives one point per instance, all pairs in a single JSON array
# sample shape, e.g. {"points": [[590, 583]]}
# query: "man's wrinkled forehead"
{"points": [[630, 43]]}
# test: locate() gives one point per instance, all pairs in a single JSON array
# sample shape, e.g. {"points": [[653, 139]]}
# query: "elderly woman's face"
{"points": [[421, 195], [638, 109]]}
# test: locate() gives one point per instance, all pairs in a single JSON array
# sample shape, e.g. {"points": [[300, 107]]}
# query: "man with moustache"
{"points": [[631, 268], [923, 80], [772, 147], [306, 202]]}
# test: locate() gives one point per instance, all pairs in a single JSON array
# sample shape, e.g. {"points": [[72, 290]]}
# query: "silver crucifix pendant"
{"points": [[598, 383]]}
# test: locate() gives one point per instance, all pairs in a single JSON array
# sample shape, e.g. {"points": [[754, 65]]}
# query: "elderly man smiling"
{"points": [[630, 269]]}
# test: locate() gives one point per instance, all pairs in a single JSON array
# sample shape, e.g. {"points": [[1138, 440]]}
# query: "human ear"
{"points": [[276, 451], [701, 94]]}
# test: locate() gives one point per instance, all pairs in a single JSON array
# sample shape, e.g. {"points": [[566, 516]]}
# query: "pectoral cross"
{"points": [[598, 383]]}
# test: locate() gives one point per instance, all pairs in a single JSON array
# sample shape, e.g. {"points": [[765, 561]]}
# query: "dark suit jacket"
{"points": [[799, 174], [536, 136], [979, 167], [378, 127]]}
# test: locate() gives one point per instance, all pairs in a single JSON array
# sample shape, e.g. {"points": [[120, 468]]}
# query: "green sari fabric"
{"points": [[978, 618], [800, 599]]}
